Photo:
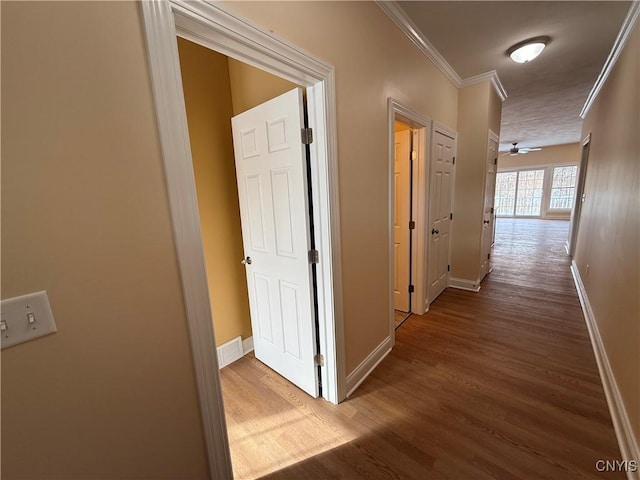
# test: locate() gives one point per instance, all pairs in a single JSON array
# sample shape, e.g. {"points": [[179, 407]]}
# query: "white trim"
{"points": [[464, 284], [174, 141], [621, 423], [211, 25], [219, 29], [443, 129], [491, 76], [368, 365], [247, 345], [233, 350], [415, 120], [621, 40], [421, 145], [418, 38], [230, 352], [402, 20]]}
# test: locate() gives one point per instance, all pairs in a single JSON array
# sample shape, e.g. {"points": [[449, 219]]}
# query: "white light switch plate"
{"points": [[25, 318]]}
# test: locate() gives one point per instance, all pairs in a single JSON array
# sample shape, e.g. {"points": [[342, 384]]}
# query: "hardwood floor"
{"points": [[496, 384], [399, 318]]}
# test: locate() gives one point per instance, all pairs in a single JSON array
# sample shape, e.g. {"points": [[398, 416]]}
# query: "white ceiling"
{"points": [[545, 97]]}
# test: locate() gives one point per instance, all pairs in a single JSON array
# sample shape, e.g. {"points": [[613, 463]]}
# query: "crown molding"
{"points": [[493, 77], [400, 18], [410, 29], [612, 59]]}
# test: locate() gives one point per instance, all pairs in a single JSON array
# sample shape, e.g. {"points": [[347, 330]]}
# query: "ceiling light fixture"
{"points": [[526, 51]]}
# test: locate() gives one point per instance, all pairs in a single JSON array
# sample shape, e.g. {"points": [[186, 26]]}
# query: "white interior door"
{"points": [[488, 218], [441, 184], [272, 187], [579, 199], [401, 232]]}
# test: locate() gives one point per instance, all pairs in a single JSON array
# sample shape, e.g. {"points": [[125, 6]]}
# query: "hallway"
{"points": [[496, 384]]}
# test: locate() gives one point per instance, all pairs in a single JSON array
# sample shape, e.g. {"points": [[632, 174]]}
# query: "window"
{"points": [[529, 193], [505, 193], [563, 188], [519, 193]]}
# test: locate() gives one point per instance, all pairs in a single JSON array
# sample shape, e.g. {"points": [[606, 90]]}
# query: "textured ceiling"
{"points": [[545, 97]]}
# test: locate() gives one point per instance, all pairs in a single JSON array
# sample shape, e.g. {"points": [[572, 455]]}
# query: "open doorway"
{"points": [[403, 222], [409, 143], [217, 89], [536, 195], [212, 26], [251, 172]]}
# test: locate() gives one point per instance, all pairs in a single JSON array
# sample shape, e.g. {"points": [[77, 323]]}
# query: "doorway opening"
{"points": [[211, 26], [403, 222], [252, 175], [409, 143], [253, 182]]}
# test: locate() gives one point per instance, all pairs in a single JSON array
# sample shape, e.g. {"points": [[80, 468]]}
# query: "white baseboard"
{"points": [[233, 350], [362, 371], [247, 345], [464, 284], [622, 425]]}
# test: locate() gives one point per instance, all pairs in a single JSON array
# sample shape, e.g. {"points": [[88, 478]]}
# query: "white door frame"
{"points": [[422, 124], [212, 26], [576, 212], [448, 132]]}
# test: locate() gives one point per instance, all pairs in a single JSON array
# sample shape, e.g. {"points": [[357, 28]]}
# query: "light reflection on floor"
{"points": [[276, 425]]}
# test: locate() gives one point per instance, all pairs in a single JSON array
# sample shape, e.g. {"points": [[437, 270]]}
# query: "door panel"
{"points": [[272, 187], [439, 213], [401, 232], [255, 213]]}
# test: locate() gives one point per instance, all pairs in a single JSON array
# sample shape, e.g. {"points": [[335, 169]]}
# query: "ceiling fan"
{"points": [[521, 151]]}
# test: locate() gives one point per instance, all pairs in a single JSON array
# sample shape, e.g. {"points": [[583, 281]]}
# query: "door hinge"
{"points": [[492, 210], [412, 225], [411, 288], [448, 268], [488, 256], [314, 256], [495, 161], [454, 160], [319, 359], [414, 155], [451, 216], [307, 136]]}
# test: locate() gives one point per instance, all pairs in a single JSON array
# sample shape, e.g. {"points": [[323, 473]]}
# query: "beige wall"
{"points": [[251, 86], [555, 155], [373, 60], [608, 237], [85, 216], [207, 93], [476, 114]]}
